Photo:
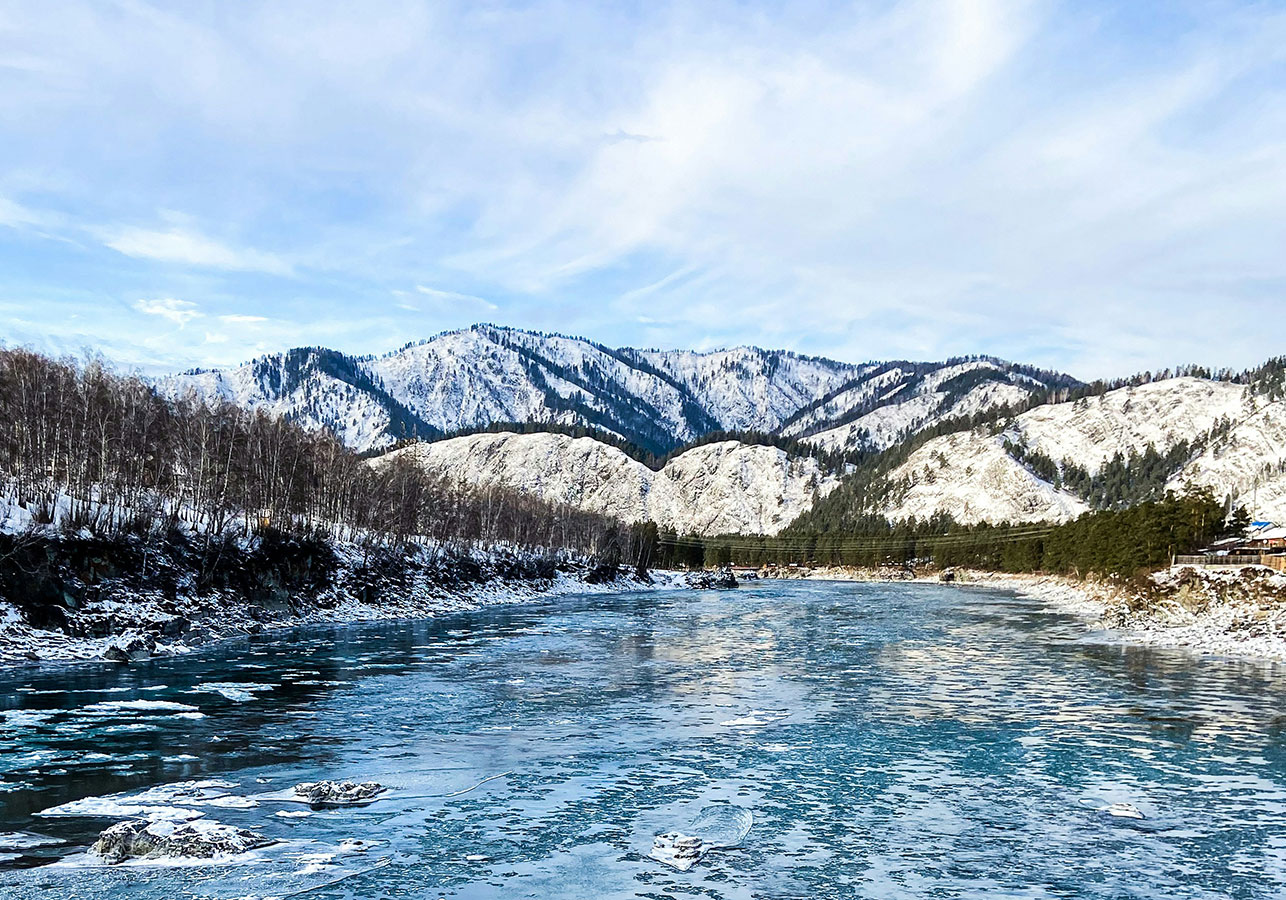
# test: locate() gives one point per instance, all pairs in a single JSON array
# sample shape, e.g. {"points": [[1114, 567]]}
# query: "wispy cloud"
{"points": [[189, 248], [455, 298], [1068, 183], [180, 312], [241, 319]]}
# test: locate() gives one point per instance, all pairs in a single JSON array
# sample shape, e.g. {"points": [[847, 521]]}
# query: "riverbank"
{"points": [[81, 599], [1234, 612]]}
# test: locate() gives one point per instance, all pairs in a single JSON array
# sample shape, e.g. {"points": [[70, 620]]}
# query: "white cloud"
{"points": [[185, 247], [180, 312], [241, 319], [15, 215], [1034, 178], [452, 298]]}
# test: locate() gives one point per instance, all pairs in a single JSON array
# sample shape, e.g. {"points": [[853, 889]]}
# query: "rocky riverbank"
{"points": [[1224, 612], [73, 598]]}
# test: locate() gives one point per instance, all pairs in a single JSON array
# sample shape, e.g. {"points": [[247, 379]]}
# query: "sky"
{"points": [[1089, 186]]}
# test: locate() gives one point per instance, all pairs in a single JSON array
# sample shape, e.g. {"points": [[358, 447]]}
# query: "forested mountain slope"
{"points": [[1106, 451], [659, 400]]}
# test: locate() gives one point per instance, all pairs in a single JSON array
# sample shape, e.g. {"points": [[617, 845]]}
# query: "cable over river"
{"points": [[879, 741]]}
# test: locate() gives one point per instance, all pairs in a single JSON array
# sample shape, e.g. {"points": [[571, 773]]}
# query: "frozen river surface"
{"points": [[888, 741]]}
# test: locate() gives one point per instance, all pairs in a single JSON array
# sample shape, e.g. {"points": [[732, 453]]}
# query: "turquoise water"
{"points": [[889, 741]]}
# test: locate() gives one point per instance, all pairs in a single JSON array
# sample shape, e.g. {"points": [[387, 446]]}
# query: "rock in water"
{"points": [[338, 793], [130, 647], [674, 848], [714, 827], [201, 839], [720, 579]]}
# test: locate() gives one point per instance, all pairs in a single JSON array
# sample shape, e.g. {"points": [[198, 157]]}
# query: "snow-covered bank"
{"points": [[124, 615], [1230, 612]]}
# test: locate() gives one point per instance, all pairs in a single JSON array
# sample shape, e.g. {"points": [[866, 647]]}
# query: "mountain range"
{"points": [[657, 400], [977, 439]]}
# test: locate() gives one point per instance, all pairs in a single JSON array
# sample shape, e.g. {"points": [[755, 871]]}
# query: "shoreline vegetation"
{"points": [[83, 598], [132, 524]]}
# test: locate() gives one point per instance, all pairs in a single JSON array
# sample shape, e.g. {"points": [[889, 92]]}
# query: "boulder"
{"points": [[130, 647], [338, 793], [706, 580], [199, 839], [674, 848]]}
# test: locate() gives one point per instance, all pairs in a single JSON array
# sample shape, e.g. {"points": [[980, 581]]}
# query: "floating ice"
{"points": [[110, 706], [27, 718], [114, 808], [230, 802], [713, 828], [26, 840], [756, 719], [294, 813], [240, 691], [161, 803]]}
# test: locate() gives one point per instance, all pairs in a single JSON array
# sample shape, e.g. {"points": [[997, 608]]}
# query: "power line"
{"points": [[860, 543]]}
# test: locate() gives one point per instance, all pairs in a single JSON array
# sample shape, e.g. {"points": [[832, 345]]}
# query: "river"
{"points": [[888, 740]]}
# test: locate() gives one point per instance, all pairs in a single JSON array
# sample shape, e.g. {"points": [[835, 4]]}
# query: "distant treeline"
{"points": [[1124, 541], [88, 449]]}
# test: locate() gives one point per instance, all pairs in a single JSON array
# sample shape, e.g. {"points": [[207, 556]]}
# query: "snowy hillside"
{"points": [[716, 488], [1093, 430], [657, 399], [1248, 464], [748, 389], [970, 477], [1237, 441], [890, 402], [316, 388]]}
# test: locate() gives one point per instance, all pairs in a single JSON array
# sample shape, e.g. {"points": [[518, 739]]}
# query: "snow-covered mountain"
{"points": [[659, 400], [1213, 434], [718, 488], [970, 477], [886, 403]]}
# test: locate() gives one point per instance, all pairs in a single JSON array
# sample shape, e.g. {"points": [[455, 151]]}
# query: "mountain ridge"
{"points": [[658, 399]]}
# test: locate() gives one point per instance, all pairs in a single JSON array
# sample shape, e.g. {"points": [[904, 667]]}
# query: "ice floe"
{"points": [[239, 691], [26, 840], [757, 718], [166, 802], [114, 706]]}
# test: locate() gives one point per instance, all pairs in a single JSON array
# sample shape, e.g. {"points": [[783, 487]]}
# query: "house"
{"points": [[1263, 544]]}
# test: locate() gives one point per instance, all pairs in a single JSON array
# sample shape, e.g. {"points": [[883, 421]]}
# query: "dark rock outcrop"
{"points": [[130, 647], [718, 580], [199, 839], [338, 793]]}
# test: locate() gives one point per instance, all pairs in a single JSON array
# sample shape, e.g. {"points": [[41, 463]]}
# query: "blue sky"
{"points": [[1096, 187]]}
